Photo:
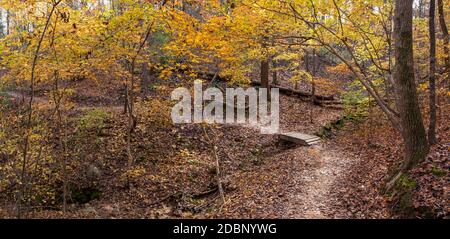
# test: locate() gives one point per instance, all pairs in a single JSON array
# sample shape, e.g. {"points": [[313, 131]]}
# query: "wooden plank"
{"points": [[299, 138], [312, 140]]}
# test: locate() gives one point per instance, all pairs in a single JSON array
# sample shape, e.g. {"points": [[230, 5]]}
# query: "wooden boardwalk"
{"points": [[299, 138]]}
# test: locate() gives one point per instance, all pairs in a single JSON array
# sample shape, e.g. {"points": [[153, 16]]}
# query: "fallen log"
{"points": [[328, 101], [302, 94], [330, 106]]}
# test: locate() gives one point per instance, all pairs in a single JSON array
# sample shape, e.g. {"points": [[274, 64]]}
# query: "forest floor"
{"points": [[263, 177], [312, 183]]}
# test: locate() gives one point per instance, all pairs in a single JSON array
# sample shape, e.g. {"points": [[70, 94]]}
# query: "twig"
{"points": [[217, 163]]}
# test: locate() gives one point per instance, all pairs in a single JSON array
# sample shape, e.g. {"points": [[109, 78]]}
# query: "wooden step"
{"points": [[314, 142], [299, 138]]}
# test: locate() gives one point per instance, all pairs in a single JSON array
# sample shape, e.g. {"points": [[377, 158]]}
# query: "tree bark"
{"points": [[313, 85], [432, 77], [125, 103], [265, 71], [413, 130], [132, 120], [274, 73], [8, 25], [314, 73], [265, 74]]}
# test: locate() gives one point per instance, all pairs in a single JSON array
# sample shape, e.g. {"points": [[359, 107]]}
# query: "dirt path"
{"points": [[17, 96], [315, 171]]}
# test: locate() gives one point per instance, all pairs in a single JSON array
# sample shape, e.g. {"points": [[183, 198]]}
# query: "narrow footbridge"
{"points": [[301, 139]]}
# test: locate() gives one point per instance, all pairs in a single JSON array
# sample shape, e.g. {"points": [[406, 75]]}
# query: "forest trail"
{"points": [[19, 97], [315, 172], [312, 182]]}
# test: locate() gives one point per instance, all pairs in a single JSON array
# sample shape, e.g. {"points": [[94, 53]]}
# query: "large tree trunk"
{"points": [[432, 79], [446, 37], [413, 130]]}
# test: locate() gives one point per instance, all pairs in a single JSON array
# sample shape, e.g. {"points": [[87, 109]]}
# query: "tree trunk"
{"points": [[132, 119], [7, 22], [314, 73], [125, 103], [432, 77], [313, 85], [265, 71], [265, 74], [446, 37], [274, 73], [412, 127]]}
